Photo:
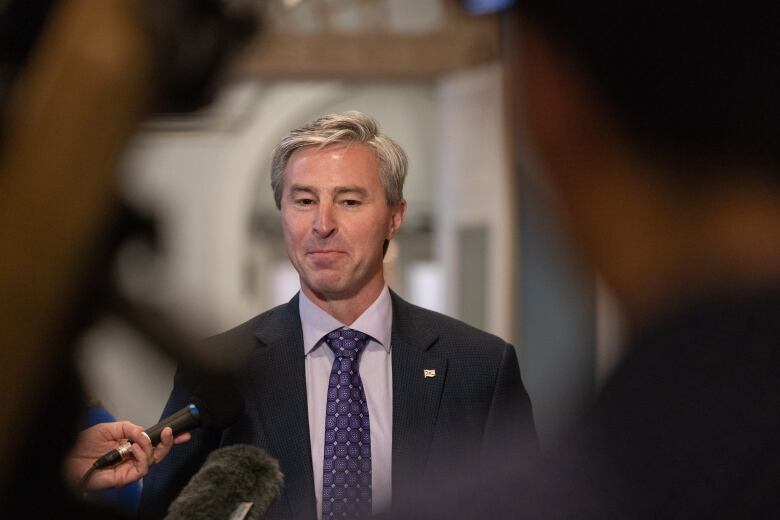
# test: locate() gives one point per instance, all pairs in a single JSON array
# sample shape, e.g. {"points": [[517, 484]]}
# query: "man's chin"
{"points": [[332, 291], [327, 287]]}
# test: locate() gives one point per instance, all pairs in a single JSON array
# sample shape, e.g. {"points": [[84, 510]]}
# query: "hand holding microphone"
{"points": [[215, 406], [101, 438]]}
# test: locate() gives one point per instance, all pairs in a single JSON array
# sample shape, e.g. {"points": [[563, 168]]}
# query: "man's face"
{"points": [[335, 219]]}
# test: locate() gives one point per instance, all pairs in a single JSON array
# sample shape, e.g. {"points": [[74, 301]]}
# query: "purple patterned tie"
{"points": [[346, 480]]}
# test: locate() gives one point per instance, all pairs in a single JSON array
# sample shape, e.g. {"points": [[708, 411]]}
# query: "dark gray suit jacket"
{"points": [[474, 409]]}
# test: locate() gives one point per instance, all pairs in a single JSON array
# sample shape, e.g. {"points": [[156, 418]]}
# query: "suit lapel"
{"points": [[416, 397], [279, 379]]}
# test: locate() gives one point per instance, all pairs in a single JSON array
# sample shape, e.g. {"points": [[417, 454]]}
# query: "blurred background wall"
{"points": [[479, 242]]}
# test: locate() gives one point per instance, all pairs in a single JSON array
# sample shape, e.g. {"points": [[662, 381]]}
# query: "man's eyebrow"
{"points": [[342, 190], [300, 188]]}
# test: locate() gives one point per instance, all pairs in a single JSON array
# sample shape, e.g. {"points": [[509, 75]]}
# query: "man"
{"points": [[363, 398], [658, 124]]}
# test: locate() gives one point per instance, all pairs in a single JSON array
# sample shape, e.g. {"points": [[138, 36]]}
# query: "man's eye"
{"points": [[351, 202], [304, 202]]}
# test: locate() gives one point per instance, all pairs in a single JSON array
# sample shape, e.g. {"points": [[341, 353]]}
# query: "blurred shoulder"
{"points": [[451, 333], [277, 319]]}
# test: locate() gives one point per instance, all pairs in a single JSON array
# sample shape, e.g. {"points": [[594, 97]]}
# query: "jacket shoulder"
{"points": [[451, 332]]}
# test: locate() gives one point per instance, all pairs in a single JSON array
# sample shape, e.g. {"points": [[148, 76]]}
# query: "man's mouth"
{"points": [[324, 253]]}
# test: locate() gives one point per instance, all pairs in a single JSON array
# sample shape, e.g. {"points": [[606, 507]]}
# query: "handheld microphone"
{"points": [[213, 406], [236, 482]]}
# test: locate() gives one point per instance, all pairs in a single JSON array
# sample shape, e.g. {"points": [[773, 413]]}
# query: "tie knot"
{"points": [[346, 343]]}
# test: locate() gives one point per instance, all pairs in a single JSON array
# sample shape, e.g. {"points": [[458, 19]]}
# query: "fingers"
{"points": [[122, 429], [142, 460], [181, 439], [139, 437], [165, 445], [143, 452]]}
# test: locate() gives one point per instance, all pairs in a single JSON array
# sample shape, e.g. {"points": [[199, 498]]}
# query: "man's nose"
{"points": [[325, 222]]}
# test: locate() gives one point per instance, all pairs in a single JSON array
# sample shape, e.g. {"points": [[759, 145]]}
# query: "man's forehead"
{"points": [[336, 149], [336, 190], [338, 165]]}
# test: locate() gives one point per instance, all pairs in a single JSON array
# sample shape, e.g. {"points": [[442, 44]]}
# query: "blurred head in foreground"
{"points": [[659, 127], [76, 78]]}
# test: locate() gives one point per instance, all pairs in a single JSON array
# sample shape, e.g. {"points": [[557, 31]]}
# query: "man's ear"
{"points": [[397, 214]]}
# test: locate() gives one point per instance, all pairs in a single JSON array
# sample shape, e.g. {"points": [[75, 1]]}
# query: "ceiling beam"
{"points": [[461, 43]]}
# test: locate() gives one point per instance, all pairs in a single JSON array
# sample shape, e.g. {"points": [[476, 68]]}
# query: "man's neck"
{"points": [[346, 309]]}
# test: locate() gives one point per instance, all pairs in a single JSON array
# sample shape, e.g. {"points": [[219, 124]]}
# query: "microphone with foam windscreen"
{"points": [[238, 482], [213, 405]]}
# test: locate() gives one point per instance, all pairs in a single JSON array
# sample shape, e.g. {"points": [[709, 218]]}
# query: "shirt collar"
{"points": [[376, 321]]}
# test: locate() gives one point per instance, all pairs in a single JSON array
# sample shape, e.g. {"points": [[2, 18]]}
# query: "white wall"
{"points": [[473, 187]]}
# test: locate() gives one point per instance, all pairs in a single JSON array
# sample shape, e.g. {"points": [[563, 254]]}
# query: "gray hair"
{"points": [[349, 127]]}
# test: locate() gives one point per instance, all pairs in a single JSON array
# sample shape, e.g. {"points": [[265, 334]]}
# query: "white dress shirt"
{"points": [[376, 372]]}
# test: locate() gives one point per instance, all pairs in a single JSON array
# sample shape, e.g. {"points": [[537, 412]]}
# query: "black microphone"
{"points": [[238, 482], [213, 406]]}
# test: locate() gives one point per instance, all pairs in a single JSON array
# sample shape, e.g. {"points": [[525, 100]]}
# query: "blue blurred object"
{"points": [[486, 6], [124, 499]]}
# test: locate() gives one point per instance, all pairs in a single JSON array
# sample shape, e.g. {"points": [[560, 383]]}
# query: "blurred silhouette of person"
{"points": [[76, 76], [658, 126]]}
